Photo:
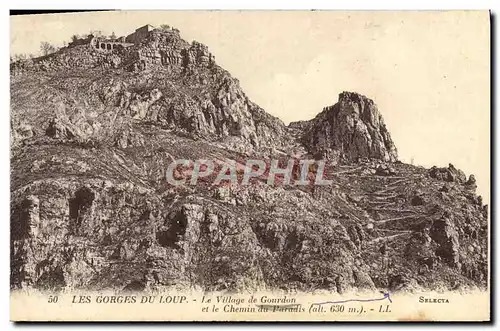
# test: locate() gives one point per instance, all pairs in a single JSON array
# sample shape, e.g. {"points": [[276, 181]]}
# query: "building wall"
{"points": [[139, 34], [109, 45]]}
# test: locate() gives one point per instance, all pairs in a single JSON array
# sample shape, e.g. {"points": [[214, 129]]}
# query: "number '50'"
{"points": [[53, 298]]}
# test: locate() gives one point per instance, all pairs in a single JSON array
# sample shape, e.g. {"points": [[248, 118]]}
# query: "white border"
{"points": [[187, 4]]}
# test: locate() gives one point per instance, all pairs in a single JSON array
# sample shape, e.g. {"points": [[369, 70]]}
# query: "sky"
{"points": [[428, 72]]}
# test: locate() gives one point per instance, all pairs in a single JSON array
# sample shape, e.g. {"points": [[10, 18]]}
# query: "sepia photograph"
{"points": [[250, 166]]}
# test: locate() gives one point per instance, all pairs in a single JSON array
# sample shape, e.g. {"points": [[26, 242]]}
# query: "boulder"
{"points": [[444, 233], [57, 130], [450, 174], [385, 170]]}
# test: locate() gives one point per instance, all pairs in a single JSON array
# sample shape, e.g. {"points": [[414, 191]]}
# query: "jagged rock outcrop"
{"points": [[56, 129], [450, 174], [446, 236], [354, 127]]}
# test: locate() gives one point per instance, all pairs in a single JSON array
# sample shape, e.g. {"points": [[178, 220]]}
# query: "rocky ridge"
{"points": [[92, 133]]}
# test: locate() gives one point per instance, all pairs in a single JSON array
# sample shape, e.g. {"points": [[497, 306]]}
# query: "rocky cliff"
{"points": [[92, 133], [353, 127]]}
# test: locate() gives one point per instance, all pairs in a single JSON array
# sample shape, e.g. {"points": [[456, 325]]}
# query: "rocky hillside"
{"points": [[91, 95], [92, 134]]}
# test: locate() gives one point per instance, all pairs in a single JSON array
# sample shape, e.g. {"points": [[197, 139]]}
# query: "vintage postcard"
{"points": [[250, 166]]}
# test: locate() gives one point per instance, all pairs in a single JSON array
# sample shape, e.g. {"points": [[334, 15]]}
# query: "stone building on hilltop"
{"points": [[139, 34], [110, 44]]}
